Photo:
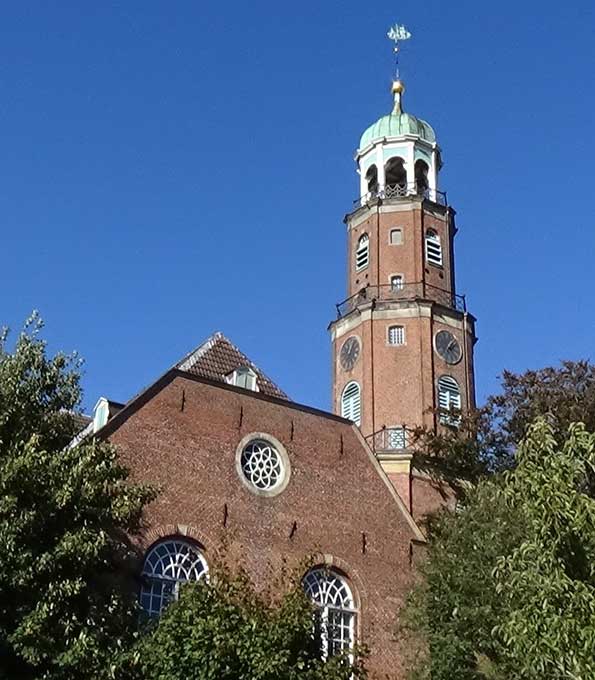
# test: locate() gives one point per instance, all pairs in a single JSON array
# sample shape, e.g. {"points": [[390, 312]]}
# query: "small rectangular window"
{"points": [[243, 377], [396, 282], [396, 335], [396, 237]]}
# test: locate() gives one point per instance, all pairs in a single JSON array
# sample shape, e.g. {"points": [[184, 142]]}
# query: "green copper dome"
{"points": [[398, 123]]}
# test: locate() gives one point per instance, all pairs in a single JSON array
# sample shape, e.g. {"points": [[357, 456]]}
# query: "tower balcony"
{"points": [[406, 292], [390, 440], [403, 191]]}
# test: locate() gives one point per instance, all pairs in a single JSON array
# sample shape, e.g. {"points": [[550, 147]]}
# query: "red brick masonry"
{"points": [[182, 434]]}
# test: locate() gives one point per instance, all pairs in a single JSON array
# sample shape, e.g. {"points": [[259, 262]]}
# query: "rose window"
{"points": [[262, 465]]}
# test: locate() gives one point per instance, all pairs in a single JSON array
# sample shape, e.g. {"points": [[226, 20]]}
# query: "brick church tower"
{"points": [[403, 339]]}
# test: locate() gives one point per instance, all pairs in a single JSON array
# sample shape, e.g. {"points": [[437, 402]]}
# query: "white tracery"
{"points": [[167, 565], [262, 465], [333, 599]]}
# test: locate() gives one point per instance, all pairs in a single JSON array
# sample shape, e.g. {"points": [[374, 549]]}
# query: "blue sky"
{"points": [[174, 168]]}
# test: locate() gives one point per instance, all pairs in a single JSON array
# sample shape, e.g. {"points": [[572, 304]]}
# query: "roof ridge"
{"points": [[199, 351], [201, 360]]}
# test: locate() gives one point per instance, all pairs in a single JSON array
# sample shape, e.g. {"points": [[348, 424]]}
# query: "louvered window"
{"points": [[351, 403], [449, 400], [433, 248], [362, 254], [396, 335]]}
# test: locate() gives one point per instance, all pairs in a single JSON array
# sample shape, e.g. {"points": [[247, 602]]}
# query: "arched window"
{"points": [[336, 612], [351, 402], [449, 400], [433, 248], [167, 565], [395, 177], [372, 180], [421, 177], [362, 253]]}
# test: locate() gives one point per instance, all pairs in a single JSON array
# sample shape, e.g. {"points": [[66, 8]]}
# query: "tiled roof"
{"points": [[81, 421], [217, 357]]}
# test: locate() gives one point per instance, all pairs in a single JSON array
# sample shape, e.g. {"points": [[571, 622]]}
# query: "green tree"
{"points": [[226, 630], [487, 438], [509, 583], [64, 515]]}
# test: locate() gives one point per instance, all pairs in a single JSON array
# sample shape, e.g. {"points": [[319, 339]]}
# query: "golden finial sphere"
{"points": [[398, 87]]}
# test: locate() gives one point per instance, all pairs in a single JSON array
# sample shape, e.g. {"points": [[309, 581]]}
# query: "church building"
{"points": [[275, 483]]}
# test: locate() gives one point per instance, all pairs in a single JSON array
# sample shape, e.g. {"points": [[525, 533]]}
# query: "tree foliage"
{"points": [[64, 613], [509, 583], [487, 438], [226, 630]]}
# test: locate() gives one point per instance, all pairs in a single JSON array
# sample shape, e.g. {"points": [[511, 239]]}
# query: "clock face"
{"points": [[448, 347], [350, 353]]}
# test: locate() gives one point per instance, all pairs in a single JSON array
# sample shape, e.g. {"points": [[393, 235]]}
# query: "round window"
{"points": [[263, 464]]}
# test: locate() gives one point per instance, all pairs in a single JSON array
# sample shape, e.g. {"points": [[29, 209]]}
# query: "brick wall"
{"points": [[184, 438]]}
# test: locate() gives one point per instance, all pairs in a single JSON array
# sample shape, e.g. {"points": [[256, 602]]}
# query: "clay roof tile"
{"points": [[217, 357]]}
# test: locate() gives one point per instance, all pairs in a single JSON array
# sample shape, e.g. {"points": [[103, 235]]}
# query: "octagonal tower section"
{"points": [[403, 339]]}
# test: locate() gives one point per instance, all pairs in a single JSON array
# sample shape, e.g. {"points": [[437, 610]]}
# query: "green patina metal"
{"points": [[397, 125]]}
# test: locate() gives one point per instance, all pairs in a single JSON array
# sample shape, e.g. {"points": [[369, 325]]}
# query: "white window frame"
{"points": [[390, 236], [351, 402], [331, 595], [100, 414], [362, 253], [395, 335], [244, 377], [433, 248], [449, 401], [395, 285], [168, 564]]}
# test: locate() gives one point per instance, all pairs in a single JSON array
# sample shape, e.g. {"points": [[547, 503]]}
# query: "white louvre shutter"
{"points": [[433, 248], [449, 399], [351, 402], [362, 254]]}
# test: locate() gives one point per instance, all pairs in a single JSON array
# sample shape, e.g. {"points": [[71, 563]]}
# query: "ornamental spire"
{"points": [[398, 33]]}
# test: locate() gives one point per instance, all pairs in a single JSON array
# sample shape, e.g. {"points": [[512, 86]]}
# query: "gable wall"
{"points": [[335, 496]]}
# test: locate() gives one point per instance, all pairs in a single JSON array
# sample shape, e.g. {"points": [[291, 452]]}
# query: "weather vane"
{"points": [[397, 34]]}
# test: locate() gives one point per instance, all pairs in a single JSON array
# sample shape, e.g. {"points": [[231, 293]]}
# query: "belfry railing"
{"points": [[401, 191], [390, 439], [402, 292]]}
